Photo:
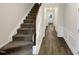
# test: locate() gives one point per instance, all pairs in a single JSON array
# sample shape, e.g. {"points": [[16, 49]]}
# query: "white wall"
{"points": [[11, 15], [70, 16], [59, 20], [70, 26]]}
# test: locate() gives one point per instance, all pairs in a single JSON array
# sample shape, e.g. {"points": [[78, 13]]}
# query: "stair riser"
{"points": [[31, 14], [33, 11], [22, 38], [27, 25], [34, 8], [30, 17], [28, 21], [24, 32]]}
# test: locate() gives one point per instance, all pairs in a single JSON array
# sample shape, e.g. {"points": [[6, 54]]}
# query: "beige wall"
{"points": [[70, 13], [11, 15]]}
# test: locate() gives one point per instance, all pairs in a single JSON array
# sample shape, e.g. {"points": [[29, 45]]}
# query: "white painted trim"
{"points": [[60, 33], [70, 46], [69, 34], [5, 43]]}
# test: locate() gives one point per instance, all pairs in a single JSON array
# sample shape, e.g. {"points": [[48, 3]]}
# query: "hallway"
{"points": [[52, 45]]}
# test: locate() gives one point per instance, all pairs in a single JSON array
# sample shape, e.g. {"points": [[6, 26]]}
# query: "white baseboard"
{"points": [[71, 47], [5, 43]]}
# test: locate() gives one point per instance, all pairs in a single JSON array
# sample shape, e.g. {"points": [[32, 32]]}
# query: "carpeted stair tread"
{"points": [[16, 44], [30, 17], [23, 35], [29, 21], [27, 25], [26, 29], [21, 51], [32, 13]]}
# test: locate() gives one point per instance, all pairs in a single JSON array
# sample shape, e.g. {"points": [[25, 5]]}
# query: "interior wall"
{"points": [[60, 20], [70, 11], [11, 15], [70, 26]]}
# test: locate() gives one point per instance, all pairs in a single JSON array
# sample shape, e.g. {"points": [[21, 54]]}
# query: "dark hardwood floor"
{"points": [[53, 45]]}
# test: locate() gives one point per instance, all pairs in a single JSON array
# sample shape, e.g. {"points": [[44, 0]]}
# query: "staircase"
{"points": [[22, 42]]}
